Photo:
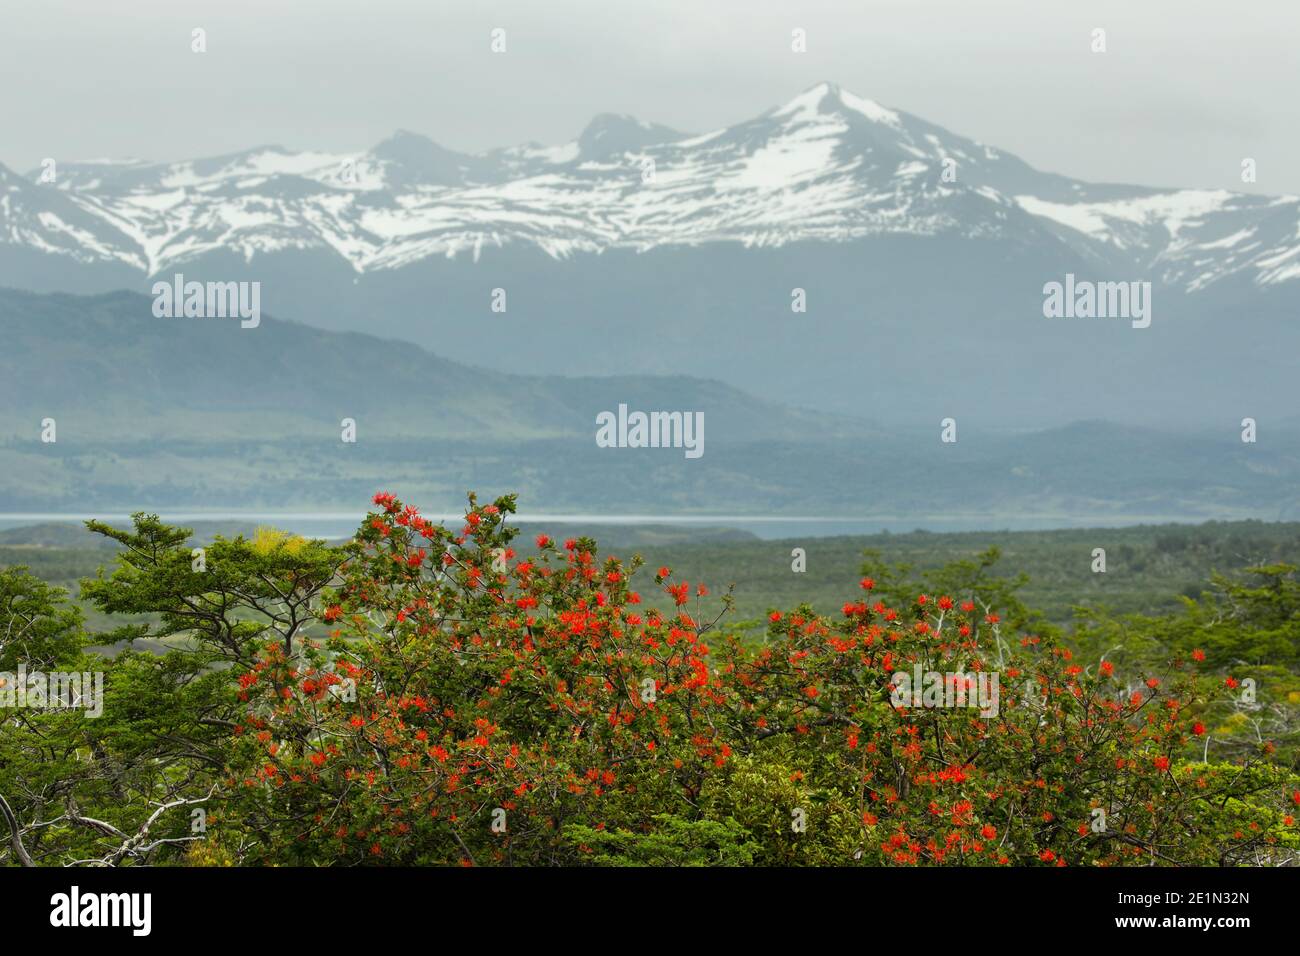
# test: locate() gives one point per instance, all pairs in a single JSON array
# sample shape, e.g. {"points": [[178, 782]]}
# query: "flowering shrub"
{"points": [[470, 705]]}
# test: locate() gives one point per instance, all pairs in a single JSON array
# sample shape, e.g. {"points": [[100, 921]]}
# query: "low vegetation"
{"points": [[433, 696]]}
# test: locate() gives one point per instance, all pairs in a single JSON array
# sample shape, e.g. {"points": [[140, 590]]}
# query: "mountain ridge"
{"points": [[185, 413], [812, 255], [827, 165], [106, 361]]}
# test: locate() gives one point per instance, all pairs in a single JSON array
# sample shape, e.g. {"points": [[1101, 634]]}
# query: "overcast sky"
{"points": [[1185, 91]]}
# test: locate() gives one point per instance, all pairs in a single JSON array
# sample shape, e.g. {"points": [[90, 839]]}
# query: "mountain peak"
{"points": [[609, 134], [406, 136], [417, 159], [827, 98], [404, 146]]}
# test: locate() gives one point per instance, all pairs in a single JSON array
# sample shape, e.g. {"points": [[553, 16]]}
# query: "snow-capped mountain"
{"points": [[640, 250], [827, 166]]}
